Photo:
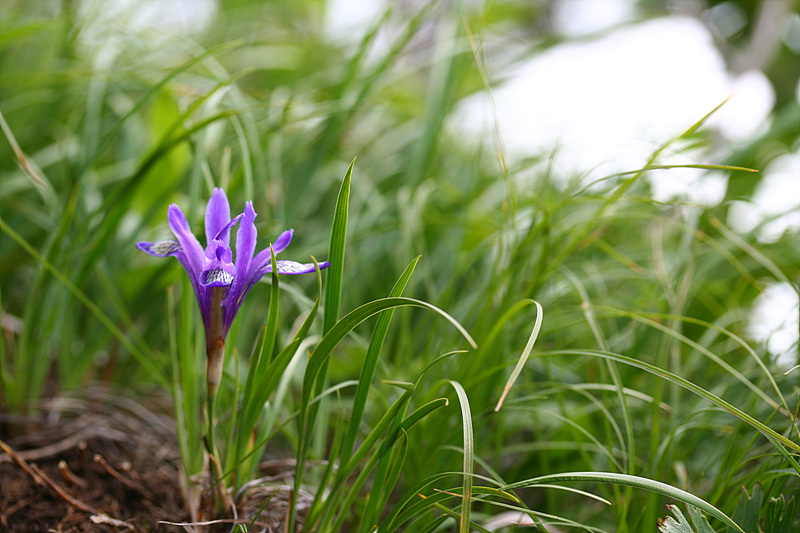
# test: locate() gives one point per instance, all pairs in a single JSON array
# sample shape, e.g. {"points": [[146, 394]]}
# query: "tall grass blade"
{"points": [[469, 453], [371, 363]]}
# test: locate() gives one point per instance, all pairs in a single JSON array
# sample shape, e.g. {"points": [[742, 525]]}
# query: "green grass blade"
{"points": [[109, 138], [635, 482], [144, 359], [342, 328], [523, 358], [262, 356], [371, 363], [469, 453], [336, 250], [320, 357], [688, 385]]}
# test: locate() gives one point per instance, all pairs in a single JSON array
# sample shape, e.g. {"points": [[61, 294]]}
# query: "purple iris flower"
{"points": [[219, 283]]}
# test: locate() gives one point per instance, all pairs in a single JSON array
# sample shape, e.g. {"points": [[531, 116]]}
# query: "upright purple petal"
{"points": [[189, 244], [218, 215], [246, 238], [282, 242], [263, 258], [226, 230]]}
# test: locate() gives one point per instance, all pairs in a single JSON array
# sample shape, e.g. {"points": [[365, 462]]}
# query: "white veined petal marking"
{"points": [[215, 277], [292, 267], [164, 248]]}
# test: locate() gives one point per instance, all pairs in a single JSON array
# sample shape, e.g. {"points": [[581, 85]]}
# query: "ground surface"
{"points": [[107, 464], [90, 466]]}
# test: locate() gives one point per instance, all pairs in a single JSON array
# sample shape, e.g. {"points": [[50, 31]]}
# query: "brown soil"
{"points": [[103, 465]]}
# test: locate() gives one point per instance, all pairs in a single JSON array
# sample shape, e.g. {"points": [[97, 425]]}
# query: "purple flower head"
{"points": [[220, 283]]}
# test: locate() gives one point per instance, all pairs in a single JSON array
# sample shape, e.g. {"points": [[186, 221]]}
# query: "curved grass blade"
{"points": [[688, 385], [469, 454], [526, 352], [632, 481]]}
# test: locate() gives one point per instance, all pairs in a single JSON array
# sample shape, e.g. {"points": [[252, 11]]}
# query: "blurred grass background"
{"points": [[119, 119]]}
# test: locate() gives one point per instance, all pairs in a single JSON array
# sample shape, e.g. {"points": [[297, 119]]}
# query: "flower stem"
{"points": [[216, 356]]}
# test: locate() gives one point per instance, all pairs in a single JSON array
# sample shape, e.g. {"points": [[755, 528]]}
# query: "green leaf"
{"points": [[699, 520], [679, 524], [748, 511], [780, 515], [333, 296]]}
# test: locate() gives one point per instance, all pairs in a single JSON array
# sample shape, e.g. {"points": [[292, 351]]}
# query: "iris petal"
{"points": [[215, 277], [189, 244], [160, 249], [282, 241], [246, 238], [263, 259], [226, 230], [293, 267], [218, 215]]}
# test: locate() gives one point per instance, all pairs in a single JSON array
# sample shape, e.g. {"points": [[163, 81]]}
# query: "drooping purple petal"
{"points": [[218, 215], [293, 267], [173, 248], [215, 277], [160, 249], [189, 245], [284, 267]]}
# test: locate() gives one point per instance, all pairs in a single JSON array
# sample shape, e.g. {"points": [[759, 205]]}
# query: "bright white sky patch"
{"points": [[348, 20], [608, 103], [148, 21], [776, 203], [774, 322], [576, 18]]}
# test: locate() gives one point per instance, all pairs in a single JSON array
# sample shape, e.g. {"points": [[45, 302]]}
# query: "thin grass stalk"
{"points": [[630, 441], [111, 136], [144, 359], [664, 374], [28, 363]]}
